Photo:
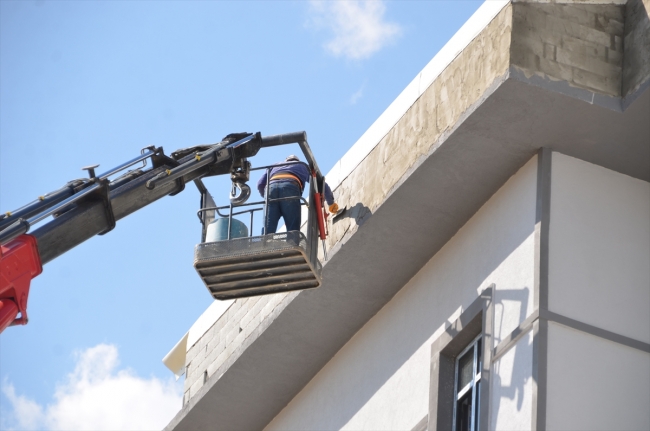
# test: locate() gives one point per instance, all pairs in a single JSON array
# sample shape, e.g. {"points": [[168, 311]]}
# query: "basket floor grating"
{"points": [[255, 266]]}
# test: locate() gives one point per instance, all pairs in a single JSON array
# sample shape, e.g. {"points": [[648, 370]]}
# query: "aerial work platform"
{"points": [[232, 263]]}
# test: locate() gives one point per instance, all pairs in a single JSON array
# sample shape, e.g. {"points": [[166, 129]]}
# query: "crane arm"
{"points": [[88, 207]]}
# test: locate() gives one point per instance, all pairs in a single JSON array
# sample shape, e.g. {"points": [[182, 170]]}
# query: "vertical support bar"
{"points": [[542, 221], [266, 200], [474, 391], [251, 232], [487, 345], [540, 363], [541, 283], [455, 395], [229, 221], [312, 230]]}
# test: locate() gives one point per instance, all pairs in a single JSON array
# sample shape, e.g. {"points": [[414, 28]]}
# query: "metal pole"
{"points": [[127, 164], [312, 231], [63, 204], [40, 204], [229, 221], [266, 199], [472, 415]]}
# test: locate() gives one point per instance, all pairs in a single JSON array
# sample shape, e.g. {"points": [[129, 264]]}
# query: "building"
{"points": [[493, 267]]}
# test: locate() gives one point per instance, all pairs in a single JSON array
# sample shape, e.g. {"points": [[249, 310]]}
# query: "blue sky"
{"points": [[93, 82]]}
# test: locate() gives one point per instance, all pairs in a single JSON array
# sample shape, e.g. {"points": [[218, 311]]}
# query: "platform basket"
{"points": [[257, 265]]}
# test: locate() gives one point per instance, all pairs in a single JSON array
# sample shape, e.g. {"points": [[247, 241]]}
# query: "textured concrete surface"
{"points": [[453, 148], [471, 29], [466, 81], [636, 42], [581, 44]]}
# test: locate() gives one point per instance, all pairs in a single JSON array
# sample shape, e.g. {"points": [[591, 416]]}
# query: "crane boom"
{"points": [[88, 207]]}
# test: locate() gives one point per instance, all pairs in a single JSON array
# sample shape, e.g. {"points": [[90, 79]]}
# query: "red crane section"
{"points": [[19, 263]]}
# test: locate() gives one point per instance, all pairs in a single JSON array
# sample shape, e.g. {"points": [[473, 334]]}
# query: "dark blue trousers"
{"points": [[288, 209]]}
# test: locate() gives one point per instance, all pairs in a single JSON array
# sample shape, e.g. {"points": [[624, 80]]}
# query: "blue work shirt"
{"points": [[299, 170]]}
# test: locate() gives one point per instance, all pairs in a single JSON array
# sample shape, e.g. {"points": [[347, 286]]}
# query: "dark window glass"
{"points": [[468, 385], [477, 389], [478, 355], [464, 413], [465, 367]]}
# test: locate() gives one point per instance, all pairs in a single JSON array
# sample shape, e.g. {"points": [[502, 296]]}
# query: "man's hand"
{"points": [[334, 208]]}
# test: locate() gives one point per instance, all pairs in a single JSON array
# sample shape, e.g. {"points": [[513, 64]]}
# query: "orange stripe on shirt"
{"points": [[286, 177]]}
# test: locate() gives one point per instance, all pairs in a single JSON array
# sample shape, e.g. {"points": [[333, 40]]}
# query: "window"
{"points": [[459, 399], [467, 387]]}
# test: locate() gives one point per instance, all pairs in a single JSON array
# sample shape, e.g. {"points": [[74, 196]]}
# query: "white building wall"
{"points": [[511, 404], [595, 384], [599, 274], [599, 242], [380, 379]]}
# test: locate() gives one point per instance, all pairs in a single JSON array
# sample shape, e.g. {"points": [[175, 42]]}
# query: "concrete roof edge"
{"points": [[396, 110], [617, 104], [563, 87]]}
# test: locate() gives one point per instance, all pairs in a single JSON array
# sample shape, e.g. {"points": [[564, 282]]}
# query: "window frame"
{"points": [[476, 320], [476, 378]]}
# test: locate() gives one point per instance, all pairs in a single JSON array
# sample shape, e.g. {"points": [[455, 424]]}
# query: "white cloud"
{"points": [[29, 412], [359, 28], [98, 396], [357, 95]]}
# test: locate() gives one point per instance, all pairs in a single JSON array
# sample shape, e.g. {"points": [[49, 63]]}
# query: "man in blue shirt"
{"points": [[288, 181]]}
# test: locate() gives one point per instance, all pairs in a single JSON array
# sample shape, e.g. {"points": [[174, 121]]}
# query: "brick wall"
{"points": [[223, 343], [578, 43]]}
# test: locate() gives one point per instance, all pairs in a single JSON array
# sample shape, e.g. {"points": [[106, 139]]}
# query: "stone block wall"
{"points": [[636, 42], [223, 343], [581, 44]]}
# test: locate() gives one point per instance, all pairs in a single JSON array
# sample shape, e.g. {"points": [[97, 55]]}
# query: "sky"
{"points": [[87, 82]]}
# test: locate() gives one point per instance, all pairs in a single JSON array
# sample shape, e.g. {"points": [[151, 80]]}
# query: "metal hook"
{"points": [[244, 193]]}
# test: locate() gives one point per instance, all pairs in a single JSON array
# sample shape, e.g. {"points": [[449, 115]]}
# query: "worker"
{"points": [[288, 180]]}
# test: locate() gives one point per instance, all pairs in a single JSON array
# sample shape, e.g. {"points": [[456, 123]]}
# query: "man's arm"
{"points": [[261, 184], [329, 196]]}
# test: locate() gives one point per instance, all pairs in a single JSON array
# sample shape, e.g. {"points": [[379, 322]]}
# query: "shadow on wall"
{"points": [[519, 362], [360, 369], [359, 212]]}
